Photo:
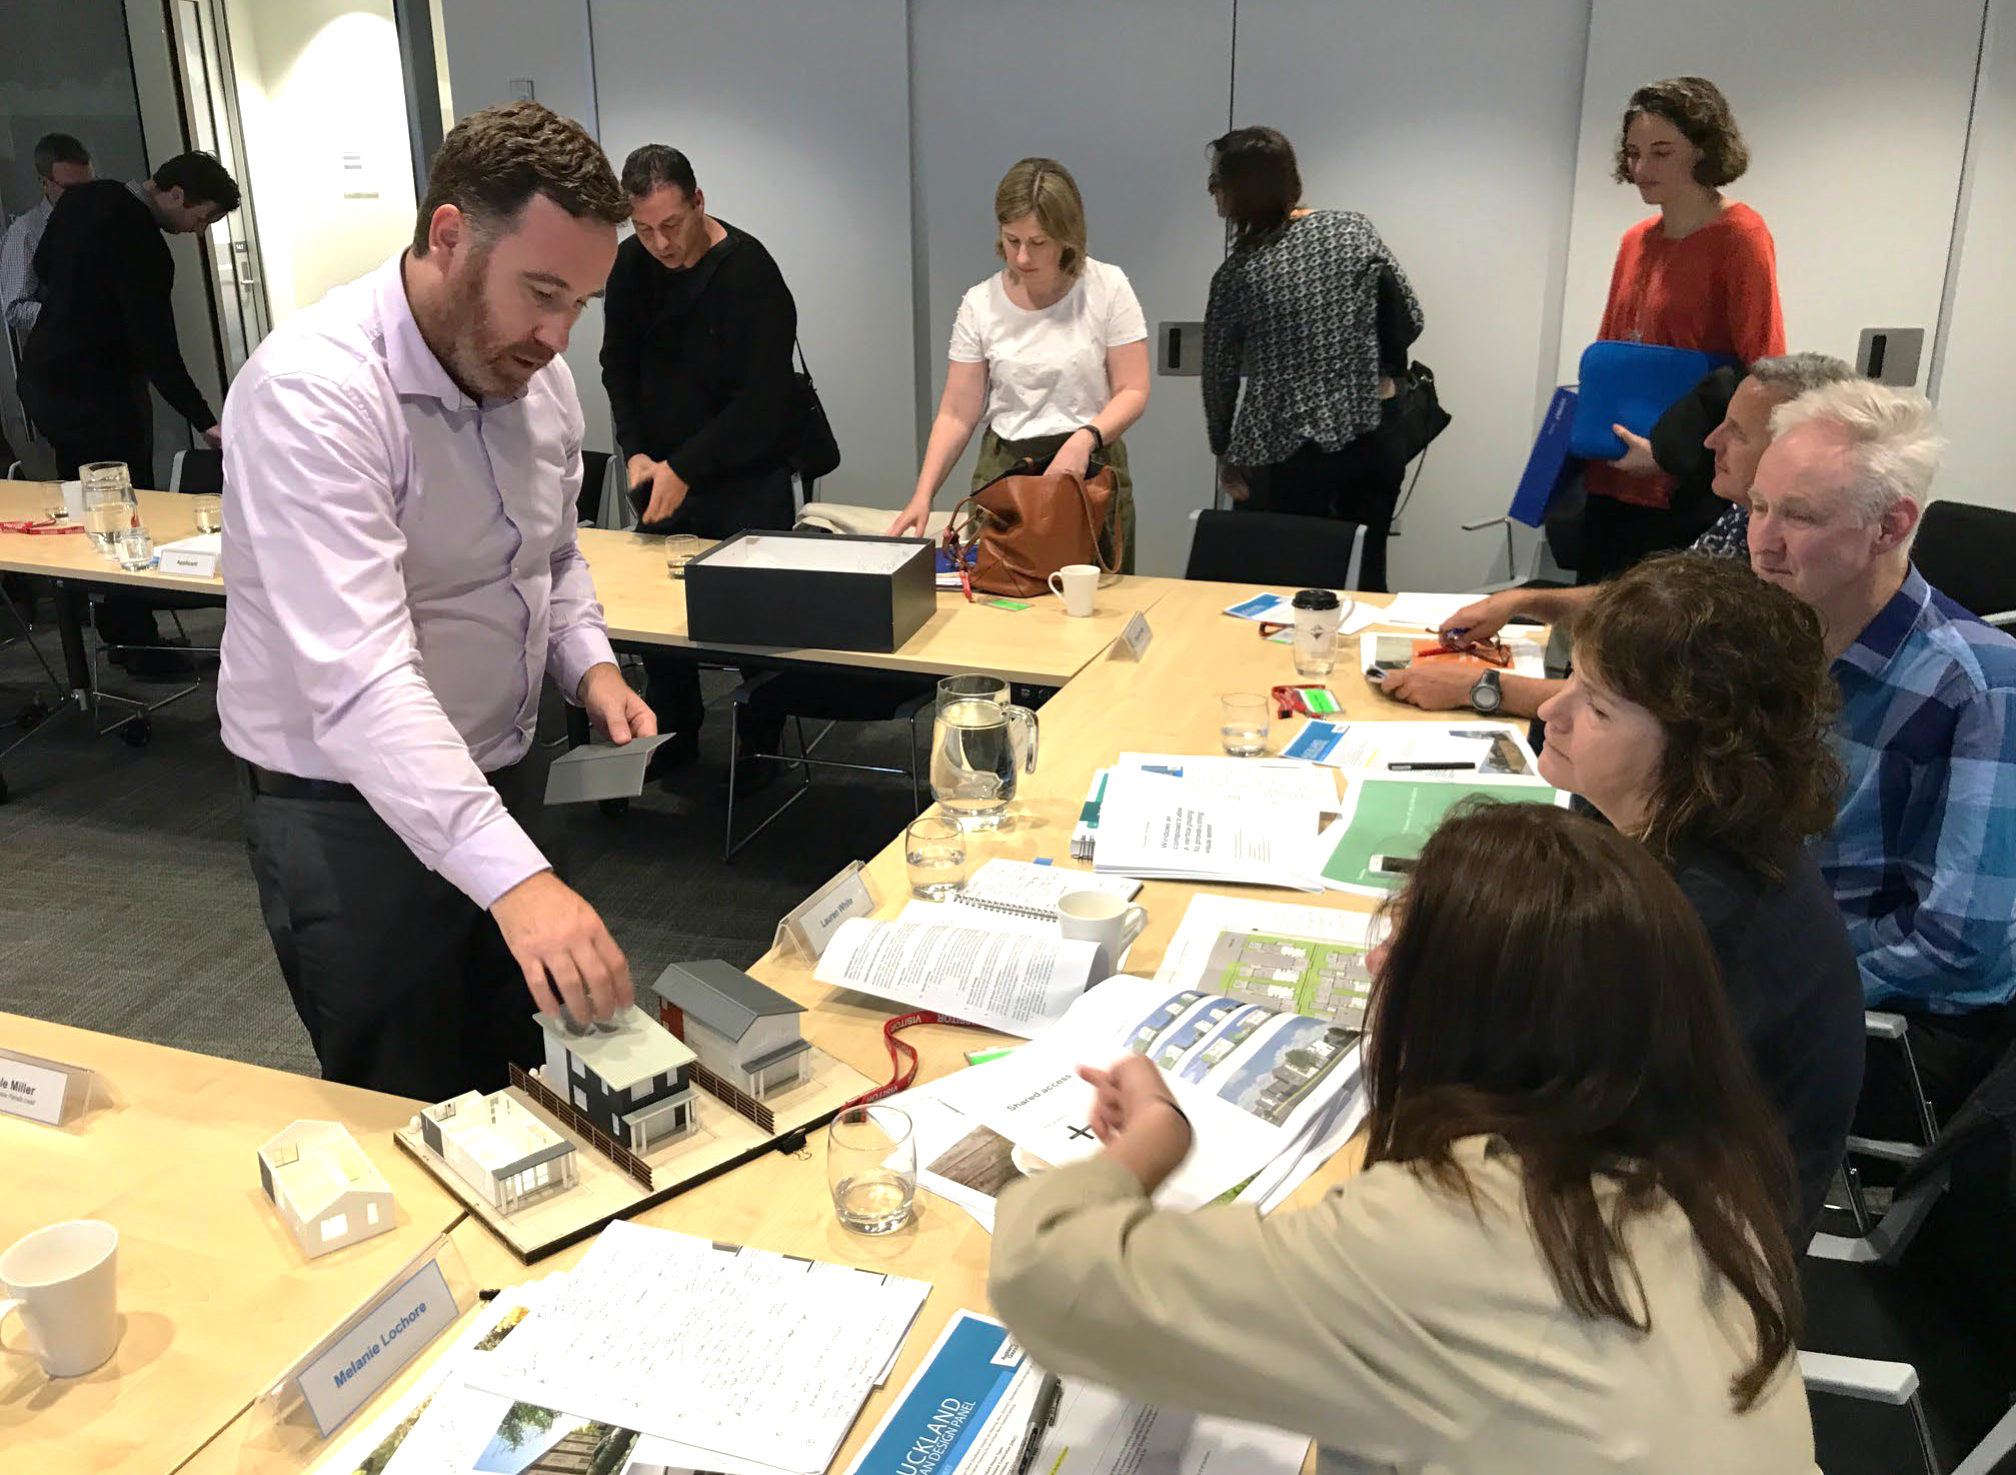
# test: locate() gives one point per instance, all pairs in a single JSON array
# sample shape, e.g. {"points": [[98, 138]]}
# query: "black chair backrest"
{"points": [[1280, 549], [594, 468], [202, 473], [1968, 553]]}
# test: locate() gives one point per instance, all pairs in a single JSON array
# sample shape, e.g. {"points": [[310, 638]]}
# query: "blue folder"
{"points": [[1632, 385], [1550, 464]]}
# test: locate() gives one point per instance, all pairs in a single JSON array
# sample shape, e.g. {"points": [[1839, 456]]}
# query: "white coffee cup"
{"points": [[1101, 917], [64, 1282], [1076, 584]]}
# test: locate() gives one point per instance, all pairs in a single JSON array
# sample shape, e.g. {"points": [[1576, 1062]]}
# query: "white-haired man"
{"points": [[1923, 856]]}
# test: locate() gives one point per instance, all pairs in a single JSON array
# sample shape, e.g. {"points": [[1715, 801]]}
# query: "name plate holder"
{"points": [[45, 1091], [809, 926], [1133, 642], [362, 1355]]}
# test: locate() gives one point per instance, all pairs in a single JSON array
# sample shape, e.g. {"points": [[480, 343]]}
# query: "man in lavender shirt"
{"points": [[400, 467]]}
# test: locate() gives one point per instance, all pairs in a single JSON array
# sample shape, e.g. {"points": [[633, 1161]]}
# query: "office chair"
{"points": [[1957, 1198], [862, 697], [1279, 549], [1968, 553]]}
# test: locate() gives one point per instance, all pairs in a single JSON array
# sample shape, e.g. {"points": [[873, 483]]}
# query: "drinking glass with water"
{"points": [[871, 1165], [1242, 725], [934, 853]]}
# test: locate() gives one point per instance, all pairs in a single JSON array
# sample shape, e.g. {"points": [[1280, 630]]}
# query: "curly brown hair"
{"points": [[1736, 672], [493, 162], [1698, 109]]}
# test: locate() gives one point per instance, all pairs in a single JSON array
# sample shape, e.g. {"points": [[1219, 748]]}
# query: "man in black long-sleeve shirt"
{"points": [[696, 358], [107, 328]]}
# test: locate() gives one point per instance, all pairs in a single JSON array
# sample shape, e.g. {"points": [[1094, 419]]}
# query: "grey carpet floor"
{"points": [[126, 904]]}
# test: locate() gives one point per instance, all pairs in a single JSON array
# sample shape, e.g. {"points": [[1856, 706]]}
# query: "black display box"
{"points": [[809, 589]]}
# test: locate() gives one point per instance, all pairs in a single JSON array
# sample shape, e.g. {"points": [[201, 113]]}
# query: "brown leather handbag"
{"points": [[1028, 523]]}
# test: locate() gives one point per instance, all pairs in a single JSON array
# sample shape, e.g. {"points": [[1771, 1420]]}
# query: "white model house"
{"points": [[324, 1188], [744, 1032], [499, 1148], [629, 1077]]}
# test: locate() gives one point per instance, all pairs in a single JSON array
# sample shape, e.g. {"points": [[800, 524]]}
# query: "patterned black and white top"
{"points": [[1730, 535], [1297, 317]]}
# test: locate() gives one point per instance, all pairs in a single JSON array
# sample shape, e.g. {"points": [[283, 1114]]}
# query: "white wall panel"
{"points": [[1453, 127]]}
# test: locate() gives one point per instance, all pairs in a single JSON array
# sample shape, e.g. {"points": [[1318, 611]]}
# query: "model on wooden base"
{"points": [[323, 1187], [629, 1078], [745, 1033], [499, 1148]]}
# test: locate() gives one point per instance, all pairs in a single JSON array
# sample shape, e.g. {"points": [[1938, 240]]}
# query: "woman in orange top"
{"points": [[1700, 274]]}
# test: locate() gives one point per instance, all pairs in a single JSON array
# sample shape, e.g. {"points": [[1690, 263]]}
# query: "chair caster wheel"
{"points": [[137, 732]]}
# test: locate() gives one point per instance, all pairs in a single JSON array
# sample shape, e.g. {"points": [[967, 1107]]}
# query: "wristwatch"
{"points": [[1485, 695], [1098, 440]]}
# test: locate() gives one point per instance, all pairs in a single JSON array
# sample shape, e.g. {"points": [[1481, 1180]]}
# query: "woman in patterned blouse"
{"points": [[1314, 313]]}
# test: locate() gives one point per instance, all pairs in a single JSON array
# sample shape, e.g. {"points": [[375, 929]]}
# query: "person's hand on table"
{"points": [[1637, 458], [570, 961], [911, 520], [667, 490], [612, 706], [1074, 456], [214, 437], [1433, 686], [1137, 1120], [1480, 620]]}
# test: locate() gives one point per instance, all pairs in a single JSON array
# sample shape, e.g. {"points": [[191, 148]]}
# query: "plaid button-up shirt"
{"points": [[1923, 856]]}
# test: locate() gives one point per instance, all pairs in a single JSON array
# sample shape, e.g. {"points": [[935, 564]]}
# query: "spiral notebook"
{"points": [[1016, 888]]}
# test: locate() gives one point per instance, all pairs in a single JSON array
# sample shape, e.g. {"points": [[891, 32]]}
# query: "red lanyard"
{"points": [[44, 527], [903, 1055]]}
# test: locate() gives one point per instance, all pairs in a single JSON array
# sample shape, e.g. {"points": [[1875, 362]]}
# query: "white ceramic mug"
{"points": [[64, 1282], [1101, 917], [1075, 584]]}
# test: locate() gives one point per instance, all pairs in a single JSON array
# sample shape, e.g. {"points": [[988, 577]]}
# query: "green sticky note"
{"points": [[981, 1057], [1319, 700], [1006, 603]]}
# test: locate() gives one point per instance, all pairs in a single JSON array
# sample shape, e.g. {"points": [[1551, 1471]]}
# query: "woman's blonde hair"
{"points": [[1045, 189]]}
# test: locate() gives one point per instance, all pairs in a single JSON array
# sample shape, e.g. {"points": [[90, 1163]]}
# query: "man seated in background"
{"points": [[1736, 445], [1922, 859], [60, 161], [696, 358]]}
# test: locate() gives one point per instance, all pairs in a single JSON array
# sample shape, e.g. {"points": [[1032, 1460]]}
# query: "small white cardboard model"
{"points": [[324, 1188], [499, 1148], [743, 1031]]}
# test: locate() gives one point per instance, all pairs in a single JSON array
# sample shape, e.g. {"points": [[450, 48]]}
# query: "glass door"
{"points": [[210, 114]]}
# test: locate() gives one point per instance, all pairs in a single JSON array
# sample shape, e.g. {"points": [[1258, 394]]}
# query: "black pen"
{"points": [[1049, 1393], [1428, 767]]}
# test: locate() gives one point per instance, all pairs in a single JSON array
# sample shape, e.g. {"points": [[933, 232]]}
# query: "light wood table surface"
{"points": [[644, 604], [1165, 703], [216, 1297]]}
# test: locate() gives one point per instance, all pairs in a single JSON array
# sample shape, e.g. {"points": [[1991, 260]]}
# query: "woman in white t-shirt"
{"points": [[1053, 350]]}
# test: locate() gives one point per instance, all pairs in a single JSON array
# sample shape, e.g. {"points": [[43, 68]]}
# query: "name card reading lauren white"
{"points": [[812, 923], [384, 1338]]}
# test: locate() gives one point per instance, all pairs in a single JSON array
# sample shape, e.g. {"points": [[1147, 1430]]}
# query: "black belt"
{"points": [[288, 786]]}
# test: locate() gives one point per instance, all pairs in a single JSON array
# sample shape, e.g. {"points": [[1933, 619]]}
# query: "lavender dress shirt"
{"points": [[401, 567]]}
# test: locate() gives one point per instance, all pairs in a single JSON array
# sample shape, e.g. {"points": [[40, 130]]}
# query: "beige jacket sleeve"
{"points": [[1310, 1321]]}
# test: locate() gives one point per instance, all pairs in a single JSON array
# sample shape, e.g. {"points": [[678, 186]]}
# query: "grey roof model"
{"points": [[720, 996]]}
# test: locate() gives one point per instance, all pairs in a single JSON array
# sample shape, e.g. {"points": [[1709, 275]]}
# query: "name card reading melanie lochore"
{"points": [[384, 1338]]}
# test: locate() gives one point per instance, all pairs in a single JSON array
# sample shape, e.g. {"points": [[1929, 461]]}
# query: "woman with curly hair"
{"points": [[1701, 274], [1696, 722]]}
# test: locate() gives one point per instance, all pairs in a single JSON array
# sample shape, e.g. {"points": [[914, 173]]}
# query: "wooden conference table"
{"points": [[220, 1302], [645, 606]]}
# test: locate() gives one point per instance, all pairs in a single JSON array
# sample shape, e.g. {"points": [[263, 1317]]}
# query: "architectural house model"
{"points": [[499, 1148], [746, 1034], [324, 1188], [628, 1077]]}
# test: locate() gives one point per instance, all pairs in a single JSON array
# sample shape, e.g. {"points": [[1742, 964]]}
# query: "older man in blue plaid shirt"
{"points": [[1923, 856]]}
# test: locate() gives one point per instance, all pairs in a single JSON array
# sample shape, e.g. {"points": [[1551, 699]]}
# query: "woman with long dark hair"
{"points": [[1312, 312], [1565, 1251]]}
